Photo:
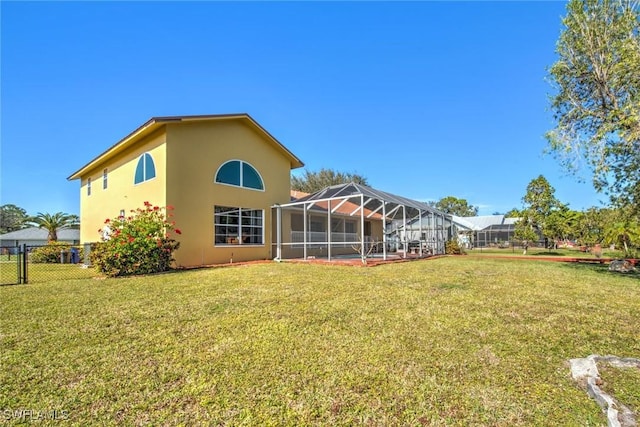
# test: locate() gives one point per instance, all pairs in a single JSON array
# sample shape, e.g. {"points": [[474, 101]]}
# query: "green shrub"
{"points": [[50, 253], [137, 244], [452, 247]]}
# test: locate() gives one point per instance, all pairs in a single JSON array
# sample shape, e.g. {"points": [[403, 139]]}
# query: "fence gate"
{"points": [[11, 266], [56, 262]]}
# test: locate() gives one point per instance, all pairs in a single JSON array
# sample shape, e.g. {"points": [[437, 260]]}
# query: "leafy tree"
{"points": [[622, 230], [525, 230], [597, 104], [513, 213], [53, 222], [590, 226], [454, 206], [310, 182], [562, 224], [540, 204], [12, 218]]}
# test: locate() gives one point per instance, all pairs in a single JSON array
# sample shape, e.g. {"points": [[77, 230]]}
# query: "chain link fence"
{"points": [[37, 264]]}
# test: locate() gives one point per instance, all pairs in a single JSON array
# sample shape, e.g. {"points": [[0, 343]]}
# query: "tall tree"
{"points": [[539, 204], [597, 104], [310, 182], [53, 222], [454, 206], [12, 218], [525, 230]]}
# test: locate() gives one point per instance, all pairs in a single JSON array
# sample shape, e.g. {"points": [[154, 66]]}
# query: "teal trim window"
{"points": [[240, 174], [145, 170]]}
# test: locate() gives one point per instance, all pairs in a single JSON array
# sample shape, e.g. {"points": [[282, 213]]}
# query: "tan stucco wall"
{"points": [[121, 192], [195, 151]]}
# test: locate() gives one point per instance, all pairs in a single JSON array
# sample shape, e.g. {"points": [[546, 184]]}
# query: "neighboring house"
{"points": [[221, 173], [38, 236], [485, 230]]}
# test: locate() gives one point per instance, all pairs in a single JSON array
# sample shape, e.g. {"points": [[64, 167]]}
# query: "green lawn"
{"points": [[41, 272], [449, 341], [535, 251]]}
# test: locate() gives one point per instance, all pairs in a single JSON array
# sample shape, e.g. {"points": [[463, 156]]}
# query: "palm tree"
{"points": [[53, 222]]}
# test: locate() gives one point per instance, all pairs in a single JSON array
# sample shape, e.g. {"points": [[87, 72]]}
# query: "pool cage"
{"points": [[356, 221], [497, 235]]}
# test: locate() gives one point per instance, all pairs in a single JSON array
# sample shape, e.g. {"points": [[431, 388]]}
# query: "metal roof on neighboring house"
{"points": [[34, 233], [477, 223]]}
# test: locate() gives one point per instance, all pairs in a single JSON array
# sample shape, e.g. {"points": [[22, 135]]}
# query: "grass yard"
{"points": [[449, 341], [544, 252], [42, 272]]}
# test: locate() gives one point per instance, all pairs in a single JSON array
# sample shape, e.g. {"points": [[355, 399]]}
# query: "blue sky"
{"points": [[425, 99]]}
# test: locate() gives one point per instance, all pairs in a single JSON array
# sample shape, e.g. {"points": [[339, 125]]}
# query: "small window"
{"points": [[145, 170], [88, 186], [239, 174], [104, 179]]}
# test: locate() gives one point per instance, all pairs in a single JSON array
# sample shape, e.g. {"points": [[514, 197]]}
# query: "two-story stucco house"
{"points": [[221, 173]]}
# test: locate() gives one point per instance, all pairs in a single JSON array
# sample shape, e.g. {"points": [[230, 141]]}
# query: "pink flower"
{"points": [[177, 230], [147, 204]]}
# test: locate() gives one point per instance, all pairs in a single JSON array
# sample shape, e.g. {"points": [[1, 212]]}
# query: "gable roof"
{"points": [[477, 223], [156, 122], [35, 233]]}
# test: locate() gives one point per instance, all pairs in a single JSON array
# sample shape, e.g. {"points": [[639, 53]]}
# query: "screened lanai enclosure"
{"points": [[357, 221]]}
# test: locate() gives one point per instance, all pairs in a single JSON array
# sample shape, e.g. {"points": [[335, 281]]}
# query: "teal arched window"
{"points": [[145, 170], [239, 174]]}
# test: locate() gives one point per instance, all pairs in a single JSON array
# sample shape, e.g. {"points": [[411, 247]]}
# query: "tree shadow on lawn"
{"points": [[549, 253], [601, 269]]}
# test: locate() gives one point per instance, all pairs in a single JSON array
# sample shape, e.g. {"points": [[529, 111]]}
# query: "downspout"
{"points": [[278, 233], [304, 231], [384, 230], [404, 227], [420, 235], [362, 252], [329, 230]]}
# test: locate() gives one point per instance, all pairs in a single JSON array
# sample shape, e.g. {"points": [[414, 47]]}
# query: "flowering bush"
{"points": [[137, 244]]}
